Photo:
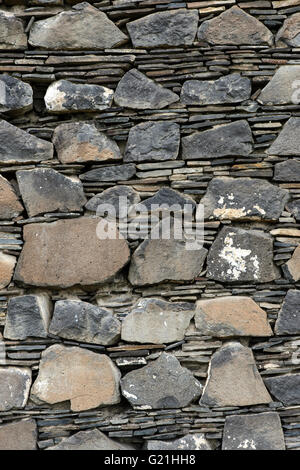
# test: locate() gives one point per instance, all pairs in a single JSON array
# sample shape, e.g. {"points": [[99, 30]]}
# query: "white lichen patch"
{"points": [[237, 258], [54, 98], [247, 444], [129, 395]]}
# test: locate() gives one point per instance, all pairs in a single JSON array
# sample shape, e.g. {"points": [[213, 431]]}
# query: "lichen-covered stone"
{"points": [[12, 34], [10, 205], [288, 141], [121, 198], [285, 388], [288, 171], [110, 173], [18, 435], [288, 321], [92, 439], [196, 441], [15, 95], [15, 385], [288, 34], [7, 264], [281, 87]]}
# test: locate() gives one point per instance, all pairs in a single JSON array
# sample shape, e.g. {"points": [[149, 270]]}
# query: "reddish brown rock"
{"points": [[19, 435], [7, 264], [10, 205]]}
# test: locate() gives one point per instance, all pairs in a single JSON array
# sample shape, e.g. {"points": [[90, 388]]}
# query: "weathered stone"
{"points": [[15, 95], [231, 88], [10, 205], [235, 26], [166, 28], [28, 316], [288, 34], [110, 173], [239, 255], [17, 146], [15, 386], [12, 35], [288, 141], [92, 439], [285, 388], [7, 264], [137, 91], [166, 200], [68, 252], [83, 27], [152, 141], [253, 432], [84, 322], [112, 196], [233, 379], [289, 170], [82, 142], [46, 190], [243, 198], [231, 316], [18, 435], [281, 87], [89, 379], [234, 139], [294, 208], [288, 321], [163, 383], [157, 321], [292, 267], [195, 441], [64, 96]]}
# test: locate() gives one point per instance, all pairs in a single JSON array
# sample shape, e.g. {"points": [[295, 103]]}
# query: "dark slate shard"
{"points": [[92, 439], [122, 198], [15, 95], [17, 146], [231, 88], [288, 171], [243, 198], [110, 173], [81, 321], [153, 141], [196, 441], [294, 208], [288, 321], [281, 88], [239, 255], [234, 139], [12, 34], [285, 388], [288, 141], [46, 190], [166, 200], [137, 91], [261, 431], [163, 383], [166, 28]]}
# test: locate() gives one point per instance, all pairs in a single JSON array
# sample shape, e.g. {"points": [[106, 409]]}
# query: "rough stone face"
{"points": [[64, 96], [231, 88], [110, 173], [89, 379], [243, 198], [157, 321], [231, 316], [288, 170], [67, 253], [288, 141], [239, 255], [253, 432], [84, 322], [10, 205], [288, 34], [18, 435], [153, 141], [166, 28], [285, 388], [288, 321], [113, 197], [292, 267], [93, 439], [12, 35], [195, 441], [167, 197], [17, 146], [234, 139], [281, 89], [7, 264], [46, 190], [235, 26], [163, 383], [69, 30], [27, 316], [233, 379], [15, 95], [294, 208], [80, 142], [137, 91], [15, 386]]}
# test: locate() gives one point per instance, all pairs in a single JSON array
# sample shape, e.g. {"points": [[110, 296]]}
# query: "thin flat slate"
{"points": [[16, 96], [112, 173], [232, 88], [288, 141], [287, 171], [15, 387], [288, 34], [288, 321], [137, 91], [18, 435], [196, 441], [92, 439], [281, 88], [285, 388], [292, 267], [10, 206], [165, 28], [12, 34], [119, 200]]}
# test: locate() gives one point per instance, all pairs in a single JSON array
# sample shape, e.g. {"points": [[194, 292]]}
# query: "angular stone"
{"points": [[285, 388], [288, 34], [157, 321], [92, 439], [68, 252], [163, 383], [18, 435], [165, 28], [233, 379], [110, 173], [288, 141], [231, 88], [17, 146], [195, 441], [69, 30], [234, 139], [10, 205], [7, 264], [243, 198], [82, 142], [292, 267], [89, 379], [112, 196], [239, 255], [64, 96], [84, 322], [27, 316], [12, 35], [46, 190], [166, 199], [137, 91], [15, 95], [294, 208], [289, 171], [261, 431], [288, 321], [15, 386], [153, 141], [231, 316], [281, 88], [235, 26]]}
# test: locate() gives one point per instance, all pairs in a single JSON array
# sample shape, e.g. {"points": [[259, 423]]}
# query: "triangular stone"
{"points": [[288, 141], [281, 88]]}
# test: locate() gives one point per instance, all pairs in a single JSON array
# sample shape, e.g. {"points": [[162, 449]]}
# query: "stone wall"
{"points": [[141, 343]]}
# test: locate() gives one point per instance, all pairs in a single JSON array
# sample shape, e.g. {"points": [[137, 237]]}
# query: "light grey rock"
{"points": [[195, 441], [122, 198], [15, 386], [281, 88], [15, 95], [294, 208], [92, 439], [288, 321], [288, 34], [285, 388], [110, 173], [12, 35], [288, 141], [288, 171], [18, 435]]}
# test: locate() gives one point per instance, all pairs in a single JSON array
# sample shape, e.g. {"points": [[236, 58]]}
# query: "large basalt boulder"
{"points": [[195, 441], [288, 171], [288, 321], [15, 95], [281, 88], [285, 388], [12, 34], [7, 264], [110, 173], [288, 34], [288, 141], [10, 205], [121, 199], [15, 387], [92, 439], [18, 435]]}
